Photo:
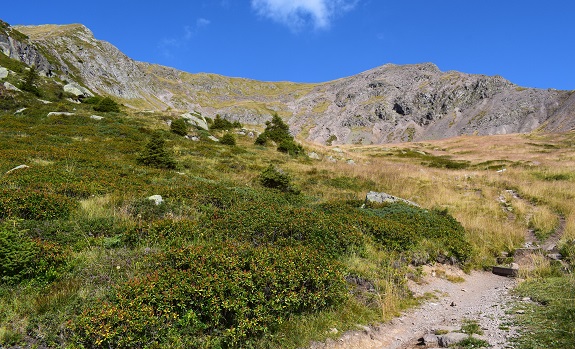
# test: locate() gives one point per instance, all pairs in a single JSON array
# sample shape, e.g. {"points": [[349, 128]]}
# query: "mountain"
{"points": [[390, 103]]}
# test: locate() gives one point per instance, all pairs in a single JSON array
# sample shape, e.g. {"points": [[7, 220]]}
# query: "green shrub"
{"points": [[261, 139], [106, 105], [290, 147], [228, 139], [275, 178], [23, 258], [404, 227], [179, 127], [29, 83], [211, 296], [222, 124], [34, 205], [92, 100], [156, 155]]}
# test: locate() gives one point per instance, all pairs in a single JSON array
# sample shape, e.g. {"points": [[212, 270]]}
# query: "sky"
{"points": [[531, 43]]}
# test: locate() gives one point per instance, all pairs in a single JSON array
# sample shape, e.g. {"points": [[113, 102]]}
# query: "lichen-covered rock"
{"points": [[196, 120], [77, 90], [3, 73], [380, 198]]}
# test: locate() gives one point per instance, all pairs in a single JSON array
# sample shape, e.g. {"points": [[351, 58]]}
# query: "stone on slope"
{"points": [[451, 338], [196, 120], [3, 73], [11, 87], [20, 167], [157, 199], [60, 113], [380, 198], [96, 117], [77, 90]]}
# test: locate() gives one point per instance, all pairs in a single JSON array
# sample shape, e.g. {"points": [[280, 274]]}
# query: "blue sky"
{"points": [[531, 43]]}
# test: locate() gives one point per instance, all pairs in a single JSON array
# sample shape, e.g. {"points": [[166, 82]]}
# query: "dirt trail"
{"points": [[482, 297]]}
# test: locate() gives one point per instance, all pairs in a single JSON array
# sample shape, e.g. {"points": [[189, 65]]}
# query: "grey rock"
{"points": [[20, 110], [157, 199], [77, 90], [331, 159], [3, 73], [313, 155], [96, 117], [44, 101], [20, 167], [430, 339], [212, 138], [251, 134], [11, 87], [380, 197], [60, 113], [451, 338], [25, 52], [196, 120], [350, 162]]}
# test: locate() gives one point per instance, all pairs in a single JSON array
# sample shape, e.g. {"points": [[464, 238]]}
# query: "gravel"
{"points": [[482, 297]]}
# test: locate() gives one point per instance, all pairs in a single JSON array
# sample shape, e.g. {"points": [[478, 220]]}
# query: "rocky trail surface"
{"points": [[483, 297]]}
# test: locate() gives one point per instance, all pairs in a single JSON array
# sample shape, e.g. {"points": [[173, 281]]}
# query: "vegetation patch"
{"points": [[547, 322]]}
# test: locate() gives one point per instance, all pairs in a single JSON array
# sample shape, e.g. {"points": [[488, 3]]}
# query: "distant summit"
{"points": [[391, 103]]}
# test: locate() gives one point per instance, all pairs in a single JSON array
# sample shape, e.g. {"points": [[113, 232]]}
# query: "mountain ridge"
{"points": [[390, 103]]}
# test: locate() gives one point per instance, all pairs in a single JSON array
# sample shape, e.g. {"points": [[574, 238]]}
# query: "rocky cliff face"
{"points": [[386, 104]]}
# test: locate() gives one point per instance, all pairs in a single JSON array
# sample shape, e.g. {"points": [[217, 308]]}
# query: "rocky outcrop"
{"points": [[77, 90], [391, 103], [17, 46]]}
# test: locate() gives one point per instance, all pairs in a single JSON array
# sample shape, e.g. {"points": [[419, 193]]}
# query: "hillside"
{"points": [[383, 105], [130, 228]]}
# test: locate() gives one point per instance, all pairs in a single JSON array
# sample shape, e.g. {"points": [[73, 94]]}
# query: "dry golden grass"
{"points": [[497, 208]]}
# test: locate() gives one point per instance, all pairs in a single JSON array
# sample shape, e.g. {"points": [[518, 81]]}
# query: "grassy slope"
{"points": [[91, 251]]}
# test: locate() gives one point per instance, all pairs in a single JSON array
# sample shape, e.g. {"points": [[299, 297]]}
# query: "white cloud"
{"points": [[168, 44], [297, 14]]}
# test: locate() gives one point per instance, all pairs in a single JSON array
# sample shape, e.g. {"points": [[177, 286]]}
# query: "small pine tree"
{"points": [[277, 130], [179, 127], [29, 84], [106, 105], [156, 155]]}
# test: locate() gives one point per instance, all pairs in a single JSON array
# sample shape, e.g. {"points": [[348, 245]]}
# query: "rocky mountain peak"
{"points": [[390, 103]]}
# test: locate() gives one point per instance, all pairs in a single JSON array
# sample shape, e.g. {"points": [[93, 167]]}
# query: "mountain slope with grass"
{"points": [[119, 228], [387, 104]]}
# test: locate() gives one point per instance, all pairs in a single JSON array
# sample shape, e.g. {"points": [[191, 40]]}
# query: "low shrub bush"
{"points": [[34, 205], [179, 127], [213, 296], [228, 139], [275, 178], [23, 258]]}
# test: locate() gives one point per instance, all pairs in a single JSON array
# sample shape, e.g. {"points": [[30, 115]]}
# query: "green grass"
{"points": [[547, 322]]}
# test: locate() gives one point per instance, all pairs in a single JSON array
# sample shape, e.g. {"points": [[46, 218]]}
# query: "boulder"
{"points": [[157, 199], [196, 120], [451, 338], [11, 87], [77, 90], [60, 113], [96, 117], [430, 339], [313, 155], [20, 167], [3, 73], [380, 198], [212, 138]]}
